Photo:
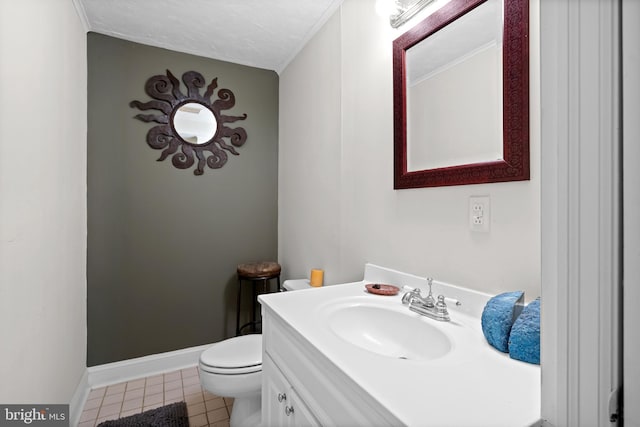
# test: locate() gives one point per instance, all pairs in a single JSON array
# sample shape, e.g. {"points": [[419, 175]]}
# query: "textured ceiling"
{"points": [[259, 33]]}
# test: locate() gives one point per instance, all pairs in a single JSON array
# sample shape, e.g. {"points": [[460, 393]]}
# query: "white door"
{"points": [[581, 210], [631, 197]]}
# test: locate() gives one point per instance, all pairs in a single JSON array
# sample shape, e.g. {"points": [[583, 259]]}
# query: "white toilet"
{"points": [[233, 368]]}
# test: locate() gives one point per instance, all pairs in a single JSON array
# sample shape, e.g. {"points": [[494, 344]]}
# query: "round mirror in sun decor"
{"points": [[191, 126], [195, 123]]}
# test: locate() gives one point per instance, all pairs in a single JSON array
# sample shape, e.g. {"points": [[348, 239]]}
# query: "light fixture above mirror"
{"points": [[404, 10], [191, 126]]}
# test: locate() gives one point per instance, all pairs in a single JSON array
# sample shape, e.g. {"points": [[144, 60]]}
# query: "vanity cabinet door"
{"points": [[302, 416], [281, 406], [274, 394]]}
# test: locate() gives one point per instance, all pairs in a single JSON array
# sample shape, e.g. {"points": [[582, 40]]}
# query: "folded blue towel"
{"points": [[524, 342], [498, 317]]}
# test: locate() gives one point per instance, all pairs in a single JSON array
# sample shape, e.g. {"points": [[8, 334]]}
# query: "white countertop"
{"points": [[472, 385]]}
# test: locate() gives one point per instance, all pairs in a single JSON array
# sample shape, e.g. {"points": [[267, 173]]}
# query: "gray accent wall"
{"points": [[163, 244]]}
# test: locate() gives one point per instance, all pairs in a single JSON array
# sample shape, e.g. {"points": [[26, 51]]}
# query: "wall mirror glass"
{"points": [[461, 96], [194, 123]]}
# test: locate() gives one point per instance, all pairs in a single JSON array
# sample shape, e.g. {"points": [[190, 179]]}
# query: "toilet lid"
{"points": [[239, 352]]}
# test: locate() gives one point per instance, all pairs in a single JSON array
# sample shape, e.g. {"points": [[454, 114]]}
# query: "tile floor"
{"points": [[133, 397]]}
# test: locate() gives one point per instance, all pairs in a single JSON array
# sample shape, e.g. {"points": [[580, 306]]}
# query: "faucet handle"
{"points": [[441, 306], [441, 309], [409, 296]]}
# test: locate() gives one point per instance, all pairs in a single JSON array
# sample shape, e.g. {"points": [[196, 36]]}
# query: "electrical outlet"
{"points": [[479, 213]]}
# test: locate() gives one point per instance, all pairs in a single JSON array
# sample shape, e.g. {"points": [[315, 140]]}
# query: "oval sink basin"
{"points": [[388, 332]]}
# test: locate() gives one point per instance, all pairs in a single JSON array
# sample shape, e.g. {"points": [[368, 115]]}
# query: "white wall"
{"points": [[43, 97], [343, 211], [309, 163]]}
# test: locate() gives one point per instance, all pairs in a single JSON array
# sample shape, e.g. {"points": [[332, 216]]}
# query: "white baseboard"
{"points": [[78, 399], [126, 370]]}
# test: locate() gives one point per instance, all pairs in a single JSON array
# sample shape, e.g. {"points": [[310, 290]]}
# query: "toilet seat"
{"points": [[234, 356], [230, 371]]}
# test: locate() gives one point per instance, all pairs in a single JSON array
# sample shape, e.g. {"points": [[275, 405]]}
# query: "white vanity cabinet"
{"points": [[317, 392], [281, 406], [347, 357]]}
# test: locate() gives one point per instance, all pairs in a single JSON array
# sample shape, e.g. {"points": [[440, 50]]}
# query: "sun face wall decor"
{"points": [[190, 126]]}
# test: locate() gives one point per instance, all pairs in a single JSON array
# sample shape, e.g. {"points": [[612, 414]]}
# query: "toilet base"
{"points": [[246, 411]]}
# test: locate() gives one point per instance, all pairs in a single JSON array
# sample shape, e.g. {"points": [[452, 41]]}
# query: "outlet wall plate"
{"points": [[479, 213]]}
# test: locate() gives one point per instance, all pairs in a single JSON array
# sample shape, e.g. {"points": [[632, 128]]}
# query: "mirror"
{"points": [[194, 123], [191, 126], [461, 96]]}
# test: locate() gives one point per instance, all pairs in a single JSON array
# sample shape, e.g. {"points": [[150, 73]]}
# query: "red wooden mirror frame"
{"points": [[515, 163]]}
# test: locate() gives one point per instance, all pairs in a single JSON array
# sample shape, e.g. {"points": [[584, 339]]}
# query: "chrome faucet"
{"points": [[427, 306]]}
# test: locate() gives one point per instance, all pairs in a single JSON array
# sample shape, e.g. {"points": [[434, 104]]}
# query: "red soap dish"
{"points": [[378, 289]]}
